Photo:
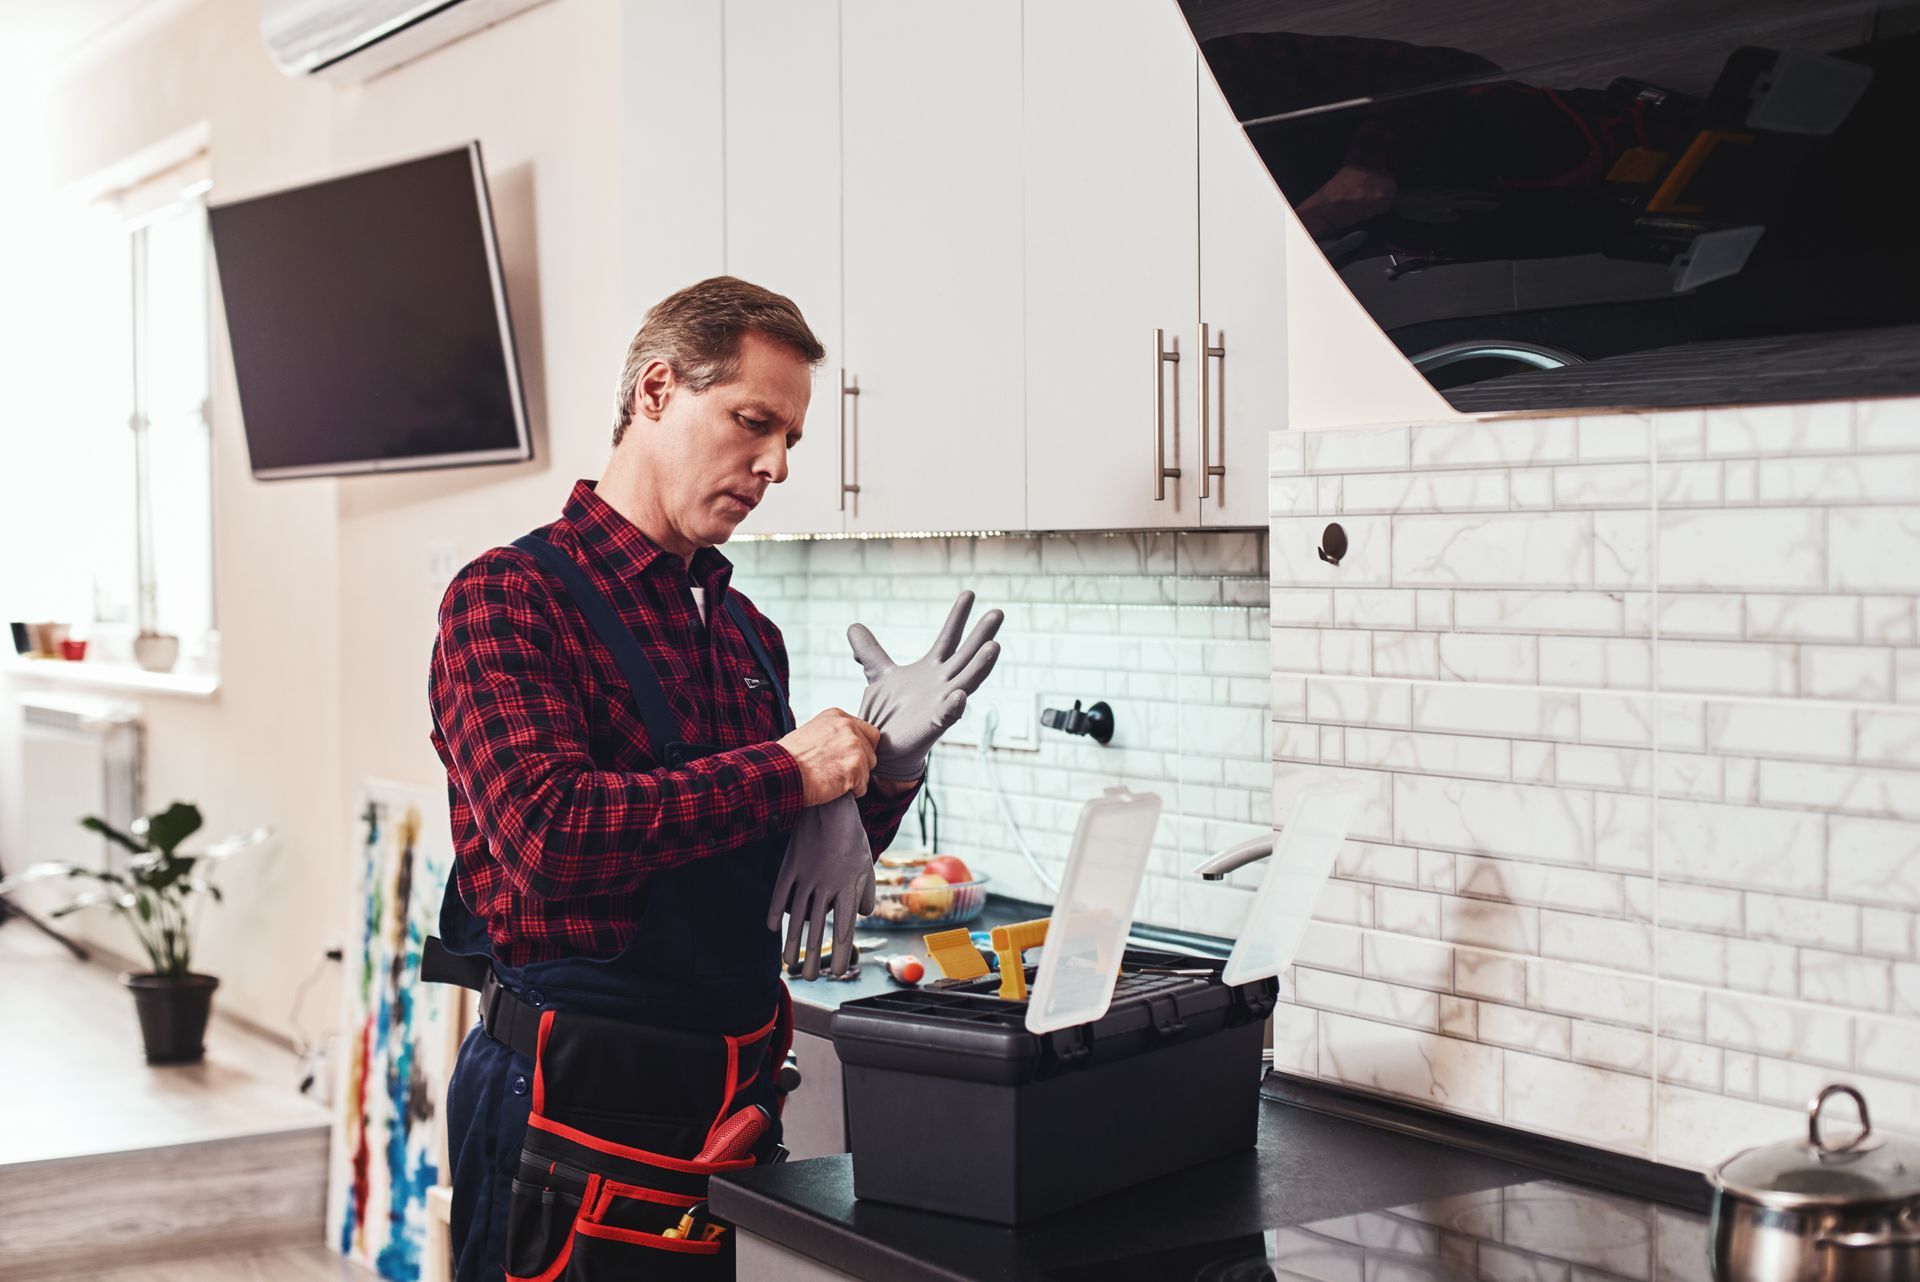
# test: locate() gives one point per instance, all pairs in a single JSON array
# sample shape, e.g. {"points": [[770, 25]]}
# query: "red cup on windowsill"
{"points": [[73, 650]]}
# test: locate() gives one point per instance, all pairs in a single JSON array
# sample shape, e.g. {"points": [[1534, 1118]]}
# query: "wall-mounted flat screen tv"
{"points": [[368, 321]]}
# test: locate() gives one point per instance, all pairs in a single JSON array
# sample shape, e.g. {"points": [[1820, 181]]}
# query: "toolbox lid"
{"points": [[1093, 912], [1302, 859]]}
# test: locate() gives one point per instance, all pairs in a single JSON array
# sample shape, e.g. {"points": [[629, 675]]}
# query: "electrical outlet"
{"points": [[443, 562], [1018, 720]]}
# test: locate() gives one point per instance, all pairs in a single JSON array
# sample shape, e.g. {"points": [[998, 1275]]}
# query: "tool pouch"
{"points": [[608, 1169]]}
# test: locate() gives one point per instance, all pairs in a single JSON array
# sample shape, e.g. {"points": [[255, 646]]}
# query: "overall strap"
{"points": [[762, 657], [642, 682]]}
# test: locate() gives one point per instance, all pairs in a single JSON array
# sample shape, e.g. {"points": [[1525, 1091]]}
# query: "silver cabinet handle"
{"points": [[1164, 356], [849, 388], [1209, 469]]}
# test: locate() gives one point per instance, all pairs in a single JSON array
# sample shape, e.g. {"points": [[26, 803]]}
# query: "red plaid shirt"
{"points": [[562, 808]]}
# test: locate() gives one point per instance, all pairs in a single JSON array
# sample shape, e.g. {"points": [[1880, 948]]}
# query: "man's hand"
{"points": [[835, 752]]}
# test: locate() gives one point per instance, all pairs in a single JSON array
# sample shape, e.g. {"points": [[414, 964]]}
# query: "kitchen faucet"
{"points": [[1217, 867]]}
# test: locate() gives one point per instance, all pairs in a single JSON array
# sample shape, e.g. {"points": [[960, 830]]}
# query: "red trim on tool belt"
{"points": [[734, 1046], [640, 1238], [539, 1058], [554, 1270], [645, 1156], [611, 1189]]}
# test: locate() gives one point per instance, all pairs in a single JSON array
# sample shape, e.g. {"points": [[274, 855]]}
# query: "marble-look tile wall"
{"points": [[1636, 702], [1170, 629]]}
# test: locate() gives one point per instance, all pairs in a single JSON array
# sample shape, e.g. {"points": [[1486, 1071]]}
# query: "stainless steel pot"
{"points": [[1813, 1211]]}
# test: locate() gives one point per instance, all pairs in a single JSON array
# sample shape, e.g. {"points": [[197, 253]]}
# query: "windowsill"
{"points": [[112, 676]]}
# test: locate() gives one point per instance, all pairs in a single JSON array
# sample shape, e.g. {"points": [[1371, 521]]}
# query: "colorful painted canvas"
{"points": [[399, 1041]]}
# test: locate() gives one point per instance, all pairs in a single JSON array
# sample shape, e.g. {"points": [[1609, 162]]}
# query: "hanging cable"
{"points": [[988, 724]]}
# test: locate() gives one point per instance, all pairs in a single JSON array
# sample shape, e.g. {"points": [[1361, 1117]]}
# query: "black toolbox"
{"points": [[954, 1106]]}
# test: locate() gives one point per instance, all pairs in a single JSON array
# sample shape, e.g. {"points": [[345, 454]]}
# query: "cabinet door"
{"points": [[783, 216], [1243, 307], [1111, 254], [931, 192]]}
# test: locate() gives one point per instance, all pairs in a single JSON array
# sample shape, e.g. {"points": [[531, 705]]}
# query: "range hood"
{"points": [[359, 39]]}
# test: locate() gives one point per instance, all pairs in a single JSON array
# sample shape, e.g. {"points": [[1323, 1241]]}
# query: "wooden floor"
{"points": [[73, 1050], [114, 1169], [290, 1264]]}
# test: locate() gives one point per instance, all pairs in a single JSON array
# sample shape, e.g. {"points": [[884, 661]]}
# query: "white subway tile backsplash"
{"points": [[1408, 1007], [1528, 714], [1874, 549], [1525, 1030], [1406, 654], [1873, 861], [1495, 551], [1780, 1028], [1771, 549], [1424, 492], [1580, 613], [1688, 639], [1444, 1071], [1489, 975], [1702, 1130], [1367, 449], [1294, 553], [1741, 846], [1419, 963], [1801, 731], [1604, 995], [1515, 441], [1714, 667], [1767, 430], [1613, 1110], [1603, 485], [1846, 672], [1433, 754], [1551, 824], [1887, 425]]}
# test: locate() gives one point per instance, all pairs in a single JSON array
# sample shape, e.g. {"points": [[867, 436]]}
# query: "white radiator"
{"points": [[80, 755]]}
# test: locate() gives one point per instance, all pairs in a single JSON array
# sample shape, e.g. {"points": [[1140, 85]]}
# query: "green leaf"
{"points": [[166, 830], [144, 907], [96, 824]]}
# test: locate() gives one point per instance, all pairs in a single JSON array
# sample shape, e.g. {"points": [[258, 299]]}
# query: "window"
{"points": [[108, 472]]}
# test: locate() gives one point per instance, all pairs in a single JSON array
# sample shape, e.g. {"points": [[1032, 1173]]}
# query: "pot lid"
{"points": [[1816, 1171]]}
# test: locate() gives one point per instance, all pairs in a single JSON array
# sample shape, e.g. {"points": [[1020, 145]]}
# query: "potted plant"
{"points": [[156, 896]]}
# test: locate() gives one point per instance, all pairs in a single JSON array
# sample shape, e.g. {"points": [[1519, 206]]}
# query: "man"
{"points": [[624, 776]]}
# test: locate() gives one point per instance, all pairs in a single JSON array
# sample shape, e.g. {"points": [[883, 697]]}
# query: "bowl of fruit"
{"points": [[918, 891]]}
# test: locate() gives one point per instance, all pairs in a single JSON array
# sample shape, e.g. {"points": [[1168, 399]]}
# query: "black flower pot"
{"points": [[173, 1015]]}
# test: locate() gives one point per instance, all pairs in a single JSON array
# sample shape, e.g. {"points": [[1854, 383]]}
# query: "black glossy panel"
{"points": [[1581, 182]]}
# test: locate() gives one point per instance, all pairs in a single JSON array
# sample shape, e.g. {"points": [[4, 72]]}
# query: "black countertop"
{"points": [[1327, 1195]]}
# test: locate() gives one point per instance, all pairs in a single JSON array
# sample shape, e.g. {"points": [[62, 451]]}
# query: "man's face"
{"points": [[713, 454]]}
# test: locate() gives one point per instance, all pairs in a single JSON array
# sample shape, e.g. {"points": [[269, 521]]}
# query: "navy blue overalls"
{"points": [[577, 1114]]}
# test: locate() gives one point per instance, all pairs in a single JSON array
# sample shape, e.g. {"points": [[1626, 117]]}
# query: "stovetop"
{"points": [[1539, 1231]]}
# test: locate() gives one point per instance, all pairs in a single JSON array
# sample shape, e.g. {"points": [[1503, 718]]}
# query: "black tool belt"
{"points": [[508, 1020]]}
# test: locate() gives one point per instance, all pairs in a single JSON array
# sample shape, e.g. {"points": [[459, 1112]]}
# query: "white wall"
{"points": [[326, 610]]}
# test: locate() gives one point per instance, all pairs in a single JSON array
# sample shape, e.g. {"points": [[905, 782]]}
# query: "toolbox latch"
{"points": [[1070, 1045], [1163, 1013]]}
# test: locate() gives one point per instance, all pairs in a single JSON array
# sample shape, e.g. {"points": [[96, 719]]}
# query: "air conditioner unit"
{"points": [[359, 39]]}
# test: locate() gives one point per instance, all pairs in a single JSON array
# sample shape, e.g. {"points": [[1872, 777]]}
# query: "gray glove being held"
{"points": [[828, 867], [913, 704]]}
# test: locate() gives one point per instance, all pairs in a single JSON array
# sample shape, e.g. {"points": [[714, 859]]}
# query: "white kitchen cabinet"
{"points": [[782, 77], [1112, 235], [930, 155], [1243, 315]]}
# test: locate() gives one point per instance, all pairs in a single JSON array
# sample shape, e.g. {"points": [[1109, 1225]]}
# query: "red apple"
{"points": [[950, 867]]}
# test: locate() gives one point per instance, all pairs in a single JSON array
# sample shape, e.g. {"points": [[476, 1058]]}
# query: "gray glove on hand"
{"points": [[828, 865], [912, 705]]}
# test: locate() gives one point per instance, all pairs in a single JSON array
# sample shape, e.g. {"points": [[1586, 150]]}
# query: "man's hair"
{"points": [[697, 332]]}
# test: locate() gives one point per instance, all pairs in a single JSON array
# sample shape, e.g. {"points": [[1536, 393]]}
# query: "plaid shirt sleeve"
{"points": [[880, 815], [559, 825]]}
